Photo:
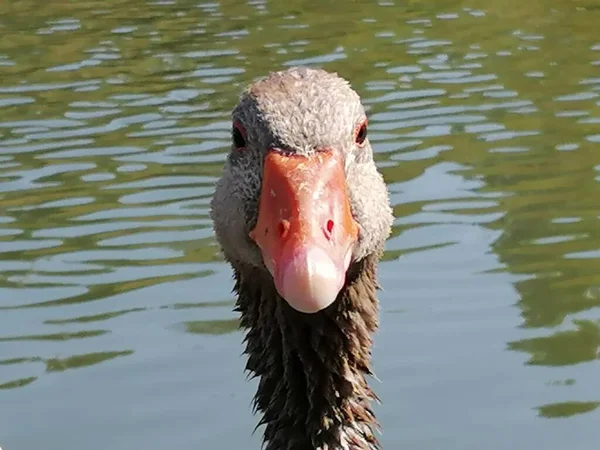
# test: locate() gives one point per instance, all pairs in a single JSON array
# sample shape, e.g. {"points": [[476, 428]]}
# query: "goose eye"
{"points": [[238, 136], [361, 134]]}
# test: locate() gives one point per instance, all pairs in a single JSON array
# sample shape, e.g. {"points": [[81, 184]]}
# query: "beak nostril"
{"points": [[330, 226], [329, 229]]}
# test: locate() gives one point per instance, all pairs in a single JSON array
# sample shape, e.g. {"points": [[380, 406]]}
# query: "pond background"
{"points": [[116, 322]]}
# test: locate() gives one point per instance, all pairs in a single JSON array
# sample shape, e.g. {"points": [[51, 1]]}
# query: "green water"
{"points": [[116, 322]]}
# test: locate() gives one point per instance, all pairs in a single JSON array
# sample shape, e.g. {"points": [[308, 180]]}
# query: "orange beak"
{"points": [[305, 229]]}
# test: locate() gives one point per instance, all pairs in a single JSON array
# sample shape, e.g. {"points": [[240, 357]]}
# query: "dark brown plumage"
{"points": [[312, 367]]}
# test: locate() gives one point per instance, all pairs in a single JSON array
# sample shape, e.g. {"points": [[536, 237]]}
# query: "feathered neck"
{"points": [[312, 391]]}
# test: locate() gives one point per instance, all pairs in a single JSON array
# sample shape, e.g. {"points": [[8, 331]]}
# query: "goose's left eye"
{"points": [[361, 134]]}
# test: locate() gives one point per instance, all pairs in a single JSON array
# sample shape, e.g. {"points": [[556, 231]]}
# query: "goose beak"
{"points": [[305, 229]]}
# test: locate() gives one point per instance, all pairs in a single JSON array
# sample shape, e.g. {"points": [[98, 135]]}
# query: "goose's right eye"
{"points": [[238, 136]]}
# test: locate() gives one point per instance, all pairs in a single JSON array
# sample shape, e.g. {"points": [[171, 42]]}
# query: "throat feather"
{"points": [[312, 392]]}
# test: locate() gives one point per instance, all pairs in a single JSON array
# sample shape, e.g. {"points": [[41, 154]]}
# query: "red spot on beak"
{"points": [[305, 228]]}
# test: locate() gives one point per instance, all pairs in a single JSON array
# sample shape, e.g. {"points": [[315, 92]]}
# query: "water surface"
{"points": [[116, 322]]}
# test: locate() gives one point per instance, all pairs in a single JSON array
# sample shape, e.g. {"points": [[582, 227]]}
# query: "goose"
{"points": [[301, 214]]}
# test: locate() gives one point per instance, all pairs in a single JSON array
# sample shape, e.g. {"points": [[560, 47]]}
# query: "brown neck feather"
{"points": [[312, 391]]}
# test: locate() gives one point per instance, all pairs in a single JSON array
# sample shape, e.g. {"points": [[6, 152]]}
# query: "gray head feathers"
{"points": [[298, 110]]}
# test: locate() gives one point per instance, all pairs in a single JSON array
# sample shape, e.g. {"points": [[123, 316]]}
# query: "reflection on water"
{"points": [[114, 126], [212, 326]]}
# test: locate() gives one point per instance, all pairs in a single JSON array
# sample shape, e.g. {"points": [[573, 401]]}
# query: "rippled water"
{"points": [[116, 322]]}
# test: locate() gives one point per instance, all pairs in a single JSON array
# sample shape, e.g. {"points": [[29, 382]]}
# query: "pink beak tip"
{"points": [[310, 280]]}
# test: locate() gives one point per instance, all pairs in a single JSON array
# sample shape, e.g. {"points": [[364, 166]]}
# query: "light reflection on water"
{"points": [[116, 322]]}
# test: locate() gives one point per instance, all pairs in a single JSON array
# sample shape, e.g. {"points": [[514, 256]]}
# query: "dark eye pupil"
{"points": [[362, 134], [238, 139]]}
